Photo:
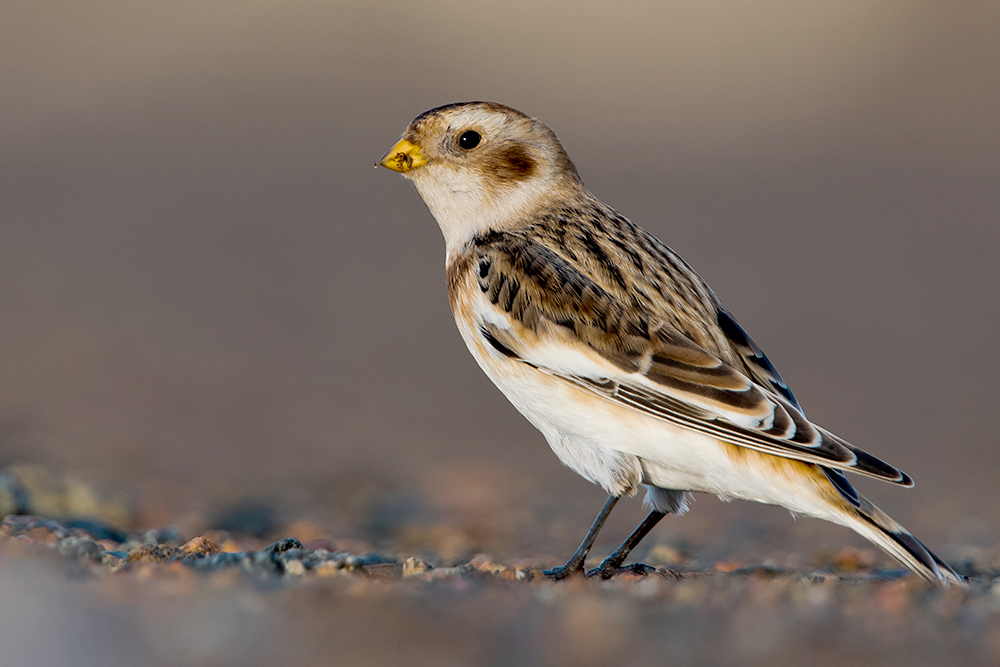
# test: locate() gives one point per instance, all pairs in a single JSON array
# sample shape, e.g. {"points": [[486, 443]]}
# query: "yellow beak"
{"points": [[403, 157]]}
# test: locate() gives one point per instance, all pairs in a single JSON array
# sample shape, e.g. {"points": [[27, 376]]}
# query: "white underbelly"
{"points": [[586, 431]]}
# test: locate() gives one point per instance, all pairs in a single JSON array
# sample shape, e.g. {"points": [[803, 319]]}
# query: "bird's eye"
{"points": [[469, 140]]}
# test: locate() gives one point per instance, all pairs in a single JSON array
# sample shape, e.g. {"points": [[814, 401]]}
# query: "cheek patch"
{"points": [[512, 163]]}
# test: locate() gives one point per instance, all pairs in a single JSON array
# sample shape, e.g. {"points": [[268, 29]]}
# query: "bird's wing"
{"points": [[756, 363], [538, 307]]}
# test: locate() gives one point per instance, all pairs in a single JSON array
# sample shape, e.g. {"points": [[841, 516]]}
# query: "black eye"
{"points": [[469, 140]]}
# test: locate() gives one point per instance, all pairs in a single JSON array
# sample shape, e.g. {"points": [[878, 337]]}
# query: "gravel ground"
{"points": [[89, 595]]}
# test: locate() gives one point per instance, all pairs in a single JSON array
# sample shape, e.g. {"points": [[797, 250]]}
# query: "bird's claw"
{"points": [[606, 571], [564, 571]]}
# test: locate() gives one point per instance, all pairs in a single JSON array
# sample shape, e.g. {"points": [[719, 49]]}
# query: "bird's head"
{"points": [[481, 166]]}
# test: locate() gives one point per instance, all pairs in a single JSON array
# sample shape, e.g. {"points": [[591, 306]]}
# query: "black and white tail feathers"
{"points": [[881, 529]]}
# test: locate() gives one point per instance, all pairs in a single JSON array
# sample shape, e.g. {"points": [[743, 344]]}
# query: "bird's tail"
{"points": [[883, 530]]}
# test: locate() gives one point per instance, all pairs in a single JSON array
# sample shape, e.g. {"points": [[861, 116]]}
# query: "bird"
{"points": [[610, 344]]}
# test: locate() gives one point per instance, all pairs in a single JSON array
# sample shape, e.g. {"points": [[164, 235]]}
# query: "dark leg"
{"points": [[612, 565], [575, 563]]}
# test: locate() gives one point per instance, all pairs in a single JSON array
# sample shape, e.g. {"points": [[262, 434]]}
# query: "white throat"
{"points": [[466, 207]]}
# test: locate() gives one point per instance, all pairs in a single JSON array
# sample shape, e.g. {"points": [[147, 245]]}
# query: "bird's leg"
{"points": [[612, 565], [575, 563]]}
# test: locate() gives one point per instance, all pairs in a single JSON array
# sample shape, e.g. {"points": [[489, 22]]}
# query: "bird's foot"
{"points": [[563, 571], [607, 570]]}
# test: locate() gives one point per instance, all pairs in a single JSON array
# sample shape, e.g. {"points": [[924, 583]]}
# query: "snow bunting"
{"points": [[614, 348]]}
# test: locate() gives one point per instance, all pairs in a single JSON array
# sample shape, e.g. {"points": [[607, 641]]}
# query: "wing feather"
{"points": [[657, 369]]}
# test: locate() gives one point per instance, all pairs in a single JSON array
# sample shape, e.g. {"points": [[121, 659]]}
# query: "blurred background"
{"points": [[209, 295]]}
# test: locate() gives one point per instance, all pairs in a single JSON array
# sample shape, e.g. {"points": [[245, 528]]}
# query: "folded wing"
{"points": [[649, 366]]}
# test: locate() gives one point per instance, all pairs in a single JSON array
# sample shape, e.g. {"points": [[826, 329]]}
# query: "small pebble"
{"points": [[412, 566], [198, 545]]}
